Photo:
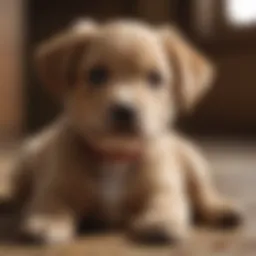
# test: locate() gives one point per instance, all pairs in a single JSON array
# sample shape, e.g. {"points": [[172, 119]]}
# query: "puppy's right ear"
{"points": [[58, 59], [193, 72]]}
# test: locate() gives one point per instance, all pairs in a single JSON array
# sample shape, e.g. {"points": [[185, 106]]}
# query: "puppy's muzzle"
{"points": [[123, 118]]}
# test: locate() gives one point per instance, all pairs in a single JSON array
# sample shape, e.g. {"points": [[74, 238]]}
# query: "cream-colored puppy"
{"points": [[114, 153]]}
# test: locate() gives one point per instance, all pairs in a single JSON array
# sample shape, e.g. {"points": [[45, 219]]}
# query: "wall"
{"points": [[11, 34]]}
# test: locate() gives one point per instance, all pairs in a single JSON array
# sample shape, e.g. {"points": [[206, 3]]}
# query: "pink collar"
{"points": [[110, 156], [119, 157]]}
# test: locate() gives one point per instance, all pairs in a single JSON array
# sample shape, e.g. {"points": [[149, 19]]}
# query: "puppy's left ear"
{"points": [[57, 60], [193, 73]]}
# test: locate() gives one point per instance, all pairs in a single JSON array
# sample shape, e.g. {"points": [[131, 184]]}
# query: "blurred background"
{"points": [[224, 29]]}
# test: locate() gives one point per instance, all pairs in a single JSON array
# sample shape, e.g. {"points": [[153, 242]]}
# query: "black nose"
{"points": [[122, 114]]}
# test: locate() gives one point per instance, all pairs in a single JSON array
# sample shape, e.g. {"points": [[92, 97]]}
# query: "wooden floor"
{"points": [[234, 169]]}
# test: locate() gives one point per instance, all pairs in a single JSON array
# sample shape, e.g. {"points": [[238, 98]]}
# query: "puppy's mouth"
{"points": [[125, 130], [116, 138]]}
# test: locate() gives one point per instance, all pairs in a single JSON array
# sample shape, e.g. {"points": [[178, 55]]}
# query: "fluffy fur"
{"points": [[68, 172]]}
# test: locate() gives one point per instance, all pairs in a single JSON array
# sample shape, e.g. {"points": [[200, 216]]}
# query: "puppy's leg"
{"points": [[16, 186], [48, 220], [164, 220], [209, 205], [165, 215]]}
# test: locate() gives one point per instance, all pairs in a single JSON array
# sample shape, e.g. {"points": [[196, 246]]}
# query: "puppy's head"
{"points": [[122, 82]]}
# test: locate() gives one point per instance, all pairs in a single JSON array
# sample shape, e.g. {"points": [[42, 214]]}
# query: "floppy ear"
{"points": [[58, 59], [192, 71]]}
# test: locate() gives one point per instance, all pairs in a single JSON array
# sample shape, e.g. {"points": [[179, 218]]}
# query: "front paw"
{"points": [[157, 231], [224, 215], [227, 218], [44, 230]]}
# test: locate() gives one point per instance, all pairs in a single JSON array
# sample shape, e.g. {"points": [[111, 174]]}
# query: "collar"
{"points": [[109, 156], [119, 156]]}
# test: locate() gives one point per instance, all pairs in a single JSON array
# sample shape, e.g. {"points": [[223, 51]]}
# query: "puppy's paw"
{"points": [[157, 231], [155, 234], [228, 218], [225, 216], [44, 230]]}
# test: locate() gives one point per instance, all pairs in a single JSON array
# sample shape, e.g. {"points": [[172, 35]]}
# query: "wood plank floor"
{"points": [[234, 169]]}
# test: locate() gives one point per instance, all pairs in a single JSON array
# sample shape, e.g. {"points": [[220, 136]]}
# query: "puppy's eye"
{"points": [[154, 79], [98, 75]]}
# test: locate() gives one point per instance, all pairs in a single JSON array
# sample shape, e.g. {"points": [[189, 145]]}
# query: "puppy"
{"points": [[114, 153]]}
